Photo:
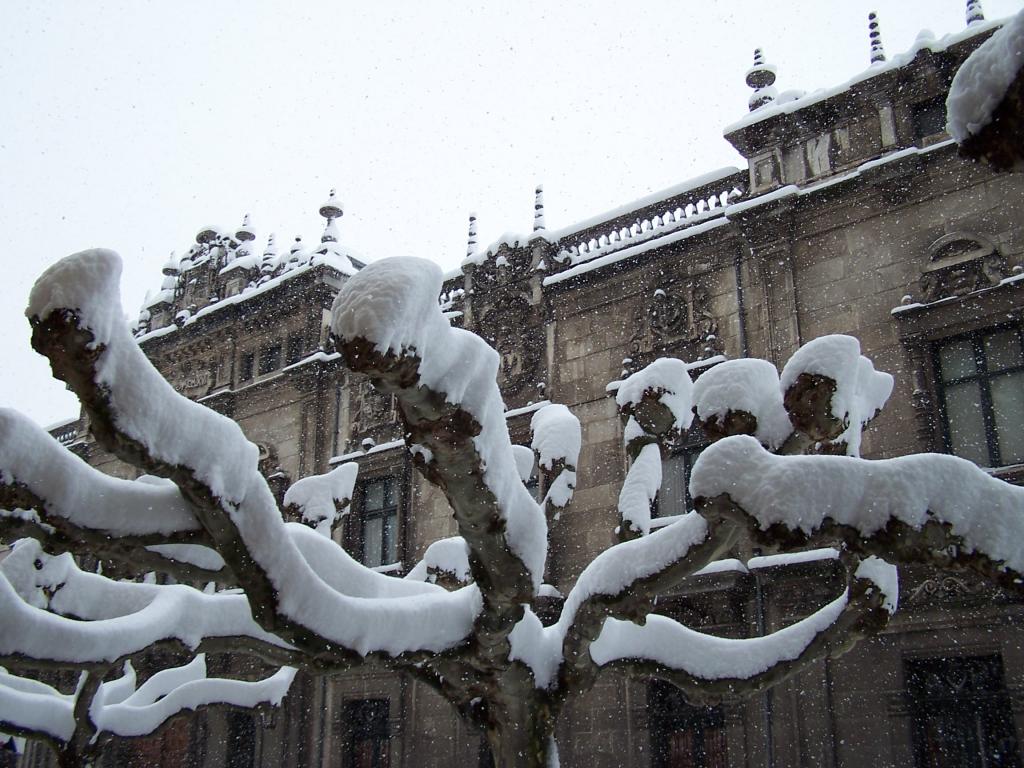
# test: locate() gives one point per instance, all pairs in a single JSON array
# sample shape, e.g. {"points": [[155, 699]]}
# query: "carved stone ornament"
{"points": [[960, 263], [681, 321], [370, 409], [510, 327], [946, 588], [194, 382]]}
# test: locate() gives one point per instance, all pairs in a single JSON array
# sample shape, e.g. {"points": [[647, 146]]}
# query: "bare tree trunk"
{"points": [[520, 733]]}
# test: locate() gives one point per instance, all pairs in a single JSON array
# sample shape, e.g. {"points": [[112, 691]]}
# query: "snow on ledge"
{"points": [[792, 558]]}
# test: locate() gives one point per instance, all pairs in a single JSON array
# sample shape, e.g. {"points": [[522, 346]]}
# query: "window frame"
{"points": [[670, 713], [986, 712], [371, 728], [295, 347], [983, 376], [270, 359], [387, 546], [246, 366]]}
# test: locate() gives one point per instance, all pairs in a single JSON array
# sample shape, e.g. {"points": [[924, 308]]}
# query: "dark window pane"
{"points": [[373, 533], [967, 422], [294, 349], [957, 360], [672, 494], [390, 547], [270, 359], [1008, 410], [682, 735], [241, 743], [368, 733], [374, 499], [245, 370], [1002, 351], [930, 117], [380, 522], [962, 715]]}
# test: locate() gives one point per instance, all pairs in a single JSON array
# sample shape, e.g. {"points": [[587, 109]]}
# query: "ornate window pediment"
{"points": [[960, 263]]}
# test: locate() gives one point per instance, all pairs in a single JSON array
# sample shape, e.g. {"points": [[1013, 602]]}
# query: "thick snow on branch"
{"points": [[860, 391], [115, 618], [342, 572], [667, 377], [86, 497], [445, 556], [640, 488], [620, 567], [318, 497], [33, 707], [170, 426], [525, 461], [802, 492], [393, 305], [557, 438], [982, 82], [192, 443], [884, 576], [748, 385], [171, 691], [556, 435], [675, 646], [194, 554], [119, 708]]}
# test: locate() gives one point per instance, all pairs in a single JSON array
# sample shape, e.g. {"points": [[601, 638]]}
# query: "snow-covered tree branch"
{"points": [[784, 471]]}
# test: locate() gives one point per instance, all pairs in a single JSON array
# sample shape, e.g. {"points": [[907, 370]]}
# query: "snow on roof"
{"points": [[317, 260], [642, 202], [723, 216], [625, 253], [923, 42]]}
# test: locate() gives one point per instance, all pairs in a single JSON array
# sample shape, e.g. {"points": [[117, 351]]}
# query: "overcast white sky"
{"points": [[130, 125]]}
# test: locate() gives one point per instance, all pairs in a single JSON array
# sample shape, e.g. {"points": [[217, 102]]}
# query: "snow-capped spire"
{"points": [[974, 12], [331, 209], [271, 250], [330, 234], [761, 78], [471, 245], [172, 266], [297, 245], [245, 233], [207, 235], [877, 49], [538, 209]]}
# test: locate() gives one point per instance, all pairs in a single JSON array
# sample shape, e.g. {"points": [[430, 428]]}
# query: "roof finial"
{"points": [[760, 77], [471, 245], [245, 232], [331, 210], [974, 12], [538, 209], [271, 251], [877, 49]]}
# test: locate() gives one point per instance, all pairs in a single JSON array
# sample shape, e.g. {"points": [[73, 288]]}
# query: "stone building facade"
{"points": [[854, 215]]}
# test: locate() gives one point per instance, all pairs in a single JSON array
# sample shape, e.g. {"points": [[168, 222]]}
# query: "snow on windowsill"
{"points": [[1011, 280], [318, 356], [792, 558], [512, 412]]}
